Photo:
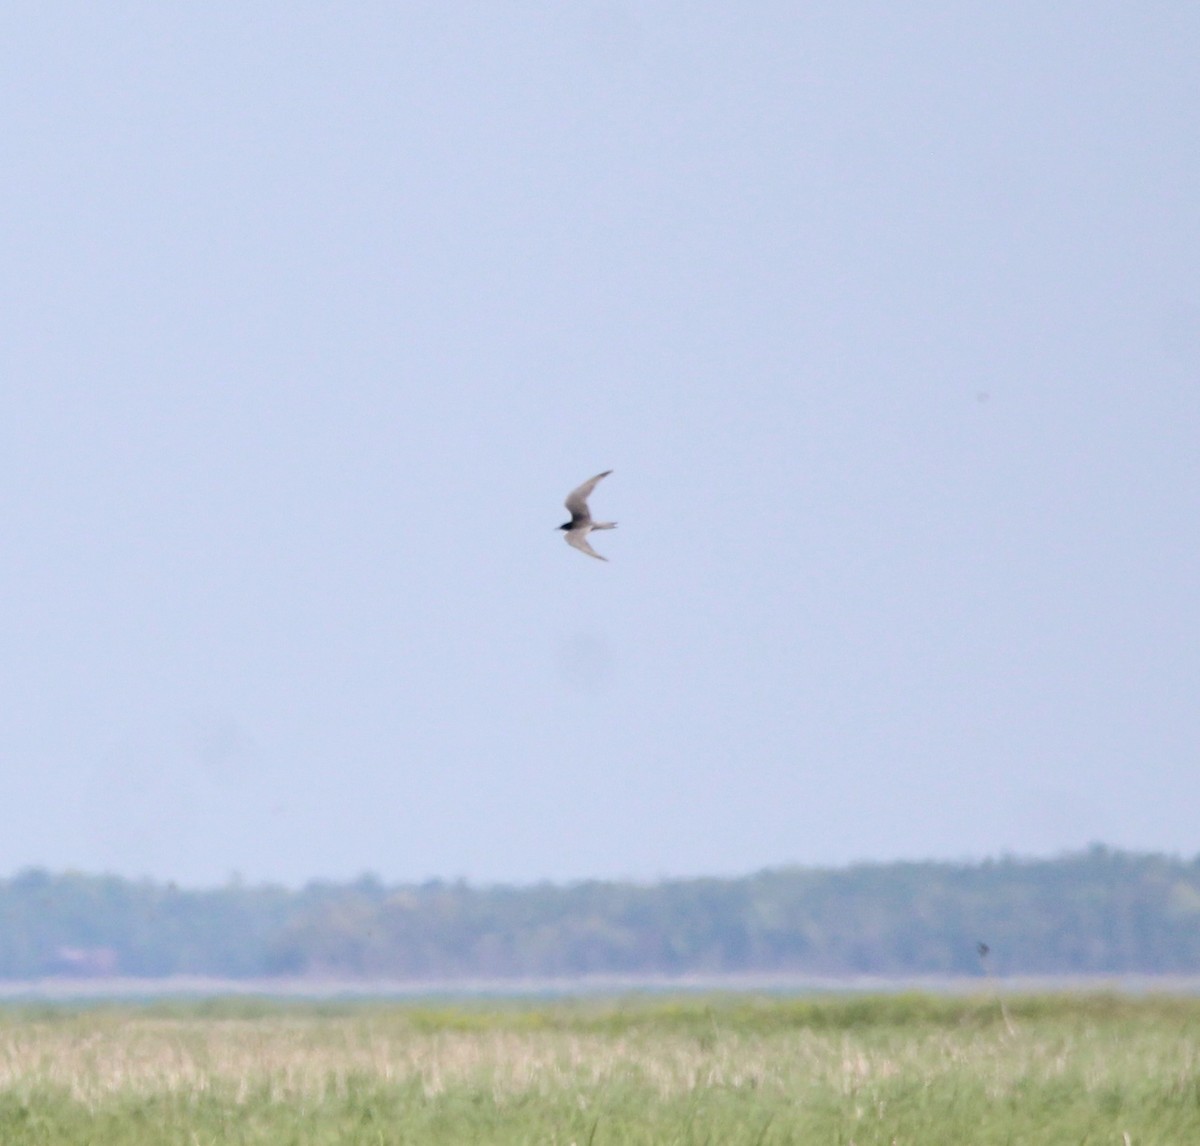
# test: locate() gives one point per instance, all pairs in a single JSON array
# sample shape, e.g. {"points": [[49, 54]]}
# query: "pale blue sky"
{"points": [[887, 319]]}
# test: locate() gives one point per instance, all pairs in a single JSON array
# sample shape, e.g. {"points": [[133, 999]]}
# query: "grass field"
{"points": [[908, 1069]]}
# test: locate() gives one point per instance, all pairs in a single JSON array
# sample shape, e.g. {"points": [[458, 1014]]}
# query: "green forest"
{"points": [[1096, 912]]}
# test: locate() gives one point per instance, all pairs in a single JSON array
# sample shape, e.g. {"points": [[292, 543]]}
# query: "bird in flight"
{"points": [[581, 523]]}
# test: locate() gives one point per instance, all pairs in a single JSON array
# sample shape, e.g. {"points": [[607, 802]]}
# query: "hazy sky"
{"points": [[886, 317]]}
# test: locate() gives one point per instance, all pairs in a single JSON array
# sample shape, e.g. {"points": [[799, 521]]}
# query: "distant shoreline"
{"points": [[120, 989]]}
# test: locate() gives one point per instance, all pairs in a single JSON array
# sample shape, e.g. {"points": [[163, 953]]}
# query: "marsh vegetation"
{"points": [[904, 1069]]}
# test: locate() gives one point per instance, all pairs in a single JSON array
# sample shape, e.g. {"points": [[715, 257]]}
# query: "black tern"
{"points": [[581, 523]]}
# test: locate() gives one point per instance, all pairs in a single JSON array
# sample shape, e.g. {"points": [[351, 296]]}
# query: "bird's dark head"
{"points": [[565, 525]]}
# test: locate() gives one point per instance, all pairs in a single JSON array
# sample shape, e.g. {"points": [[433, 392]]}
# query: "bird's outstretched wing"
{"points": [[578, 539], [577, 500]]}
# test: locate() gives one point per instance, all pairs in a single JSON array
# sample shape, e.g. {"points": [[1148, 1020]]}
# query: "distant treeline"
{"points": [[1100, 911]]}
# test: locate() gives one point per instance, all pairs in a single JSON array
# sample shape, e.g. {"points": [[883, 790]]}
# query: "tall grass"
{"points": [[905, 1069]]}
